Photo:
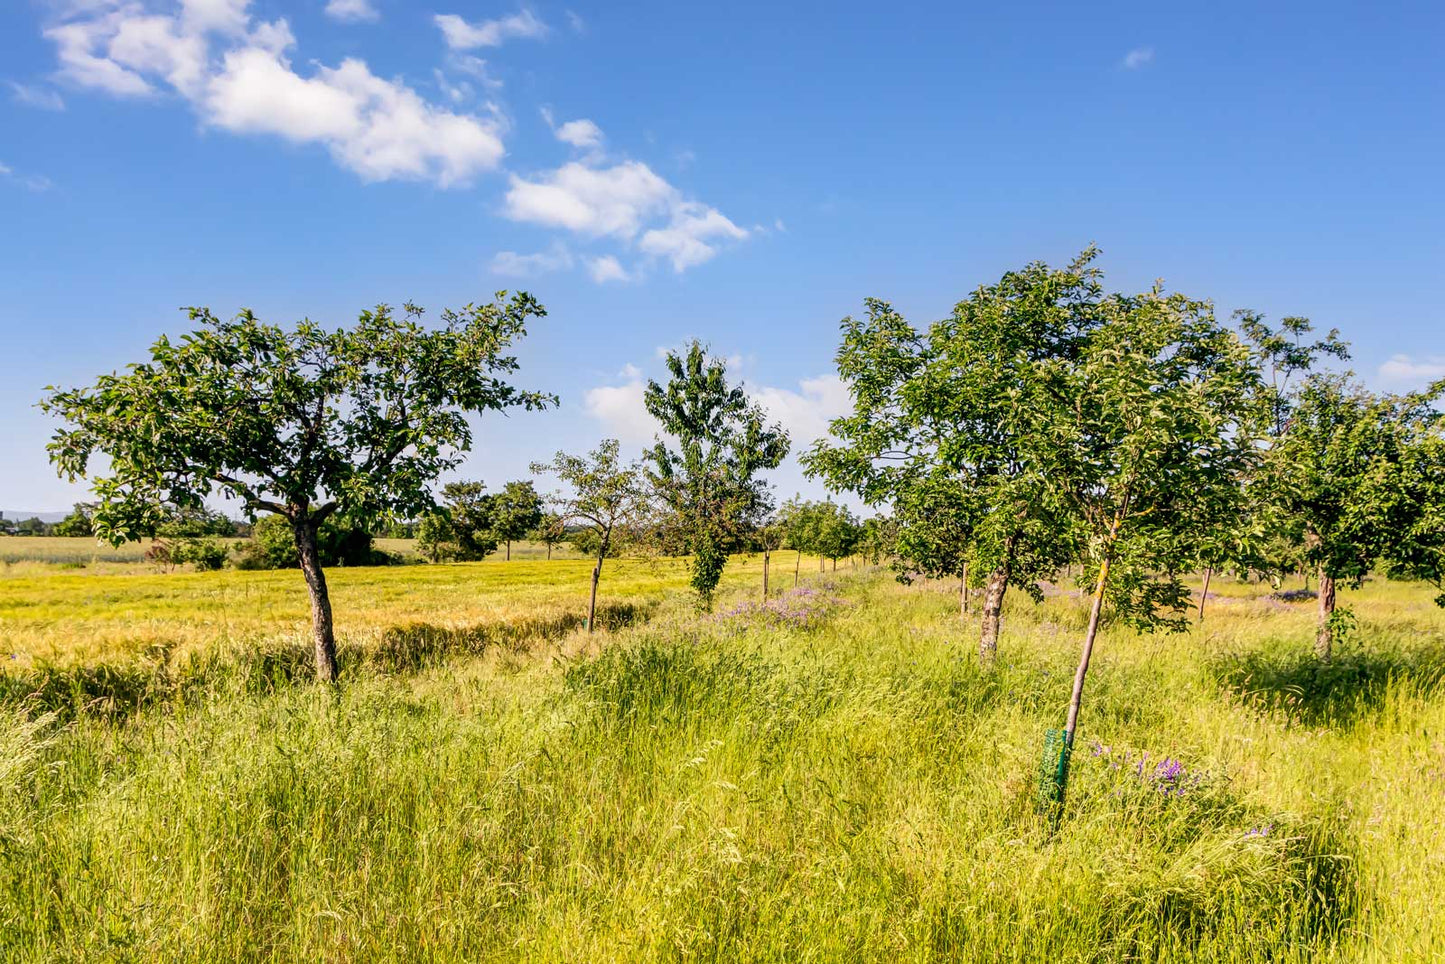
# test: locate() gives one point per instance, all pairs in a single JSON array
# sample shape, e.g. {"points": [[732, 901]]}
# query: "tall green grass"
{"points": [[845, 785]]}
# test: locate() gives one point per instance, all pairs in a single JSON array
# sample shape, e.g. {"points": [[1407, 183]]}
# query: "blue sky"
{"points": [[745, 173]]}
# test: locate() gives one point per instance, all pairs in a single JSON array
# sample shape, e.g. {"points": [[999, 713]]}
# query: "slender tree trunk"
{"points": [[992, 607], [797, 564], [592, 603], [549, 552], [963, 590], [509, 550], [835, 563], [821, 561], [766, 557], [1089, 635], [1204, 593], [1324, 636], [322, 630]]}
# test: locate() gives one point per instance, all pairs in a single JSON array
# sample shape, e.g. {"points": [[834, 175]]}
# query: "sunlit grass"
{"points": [[852, 787]]}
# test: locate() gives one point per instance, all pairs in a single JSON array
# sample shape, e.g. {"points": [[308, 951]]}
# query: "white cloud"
{"points": [[1138, 57], [620, 201], [33, 96], [594, 201], [352, 11], [462, 35], [807, 412], [1403, 370], [575, 21], [685, 240], [31, 182], [607, 268], [555, 258], [620, 410], [376, 127], [580, 133], [804, 412]]}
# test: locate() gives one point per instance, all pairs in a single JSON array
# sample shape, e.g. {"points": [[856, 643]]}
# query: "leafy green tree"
{"points": [[879, 538], [1354, 475], [837, 531], [1166, 425], [608, 499], [969, 413], [516, 511], [78, 523], [272, 545], [463, 529], [710, 480], [795, 519], [550, 531], [306, 423]]}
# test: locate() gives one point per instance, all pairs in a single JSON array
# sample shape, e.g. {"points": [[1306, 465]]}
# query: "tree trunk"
{"points": [[992, 607], [321, 627], [766, 557], [821, 560], [797, 564], [835, 563], [549, 552], [1204, 593], [592, 603], [963, 590], [1089, 635], [1324, 636], [509, 550]]}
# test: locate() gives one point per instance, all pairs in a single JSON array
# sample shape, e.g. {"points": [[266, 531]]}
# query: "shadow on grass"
{"points": [[1352, 684], [116, 690]]}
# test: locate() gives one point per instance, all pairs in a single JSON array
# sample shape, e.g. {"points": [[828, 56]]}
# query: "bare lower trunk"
{"points": [[797, 564], [963, 590], [322, 630], [509, 550], [1204, 593], [767, 556], [835, 563], [992, 607], [549, 552], [1089, 635], [1324, 632], [821, 561], [592, 603]]}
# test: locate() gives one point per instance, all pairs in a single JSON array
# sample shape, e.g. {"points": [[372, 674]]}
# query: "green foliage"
{"points": [[1166, 428], [516, 511], [959, 428], [339, 543], [710, 481], [464, 529], [207, 554], [78, 523], [606, 499]]}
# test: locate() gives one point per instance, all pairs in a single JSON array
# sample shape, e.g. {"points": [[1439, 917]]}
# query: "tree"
{"points": [[962, 422], [78, 523], [608, 498], [837, 531], [464, 528], [795, 519], [516, 511], [769, 537], [1355, 476], [1166, 426], [710, 480], [550, 531], [305, 423]]}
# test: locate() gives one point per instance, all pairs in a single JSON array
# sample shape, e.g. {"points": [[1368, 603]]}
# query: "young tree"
{"points": [[971, 410], [607, 497], [795, 517], [550, 531], [769, 537], [304, 423], [464, 528], [78, 523], [517, 510], [1352, 476], [1166, 426], [710, 480], [837, 531]]}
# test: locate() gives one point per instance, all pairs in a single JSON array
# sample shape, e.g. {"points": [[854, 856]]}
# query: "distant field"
{"points": [[52, 614]]}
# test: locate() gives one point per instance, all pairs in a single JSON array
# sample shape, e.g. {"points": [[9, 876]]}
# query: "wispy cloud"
{"points": [[462, 34], [34, 96], [31, 182], [555, 258], [1137, 58], [607, 268], [1410, 371], [352, 11]]}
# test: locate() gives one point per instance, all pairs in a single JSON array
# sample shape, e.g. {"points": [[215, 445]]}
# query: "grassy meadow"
{"points": [[830, 777]]}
